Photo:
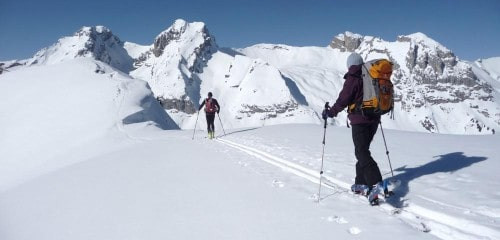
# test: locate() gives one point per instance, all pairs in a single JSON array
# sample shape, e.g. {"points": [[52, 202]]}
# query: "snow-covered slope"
{"points": [[488, 69], [55, 110], [259, 184]]}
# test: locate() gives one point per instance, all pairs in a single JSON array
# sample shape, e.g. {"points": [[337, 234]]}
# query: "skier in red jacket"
{"points": [[211, 107]]}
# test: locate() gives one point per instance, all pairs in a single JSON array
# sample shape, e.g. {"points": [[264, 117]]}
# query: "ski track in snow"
{"points": [[439, 224]]}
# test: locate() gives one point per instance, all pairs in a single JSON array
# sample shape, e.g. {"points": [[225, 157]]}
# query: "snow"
{"points": [[489, 70], [421, 38], [135, 50], [493, 67], [259, 183], [87, 153], [65, 105], [348, 34], [96, 42], [241, 83], [175, 59]]}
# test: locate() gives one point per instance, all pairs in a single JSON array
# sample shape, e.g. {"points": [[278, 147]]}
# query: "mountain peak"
{"points": [[181, 31], [348, 34], [179, 24], [93, 33], [346, 41], [422, 39], [97, 42]]}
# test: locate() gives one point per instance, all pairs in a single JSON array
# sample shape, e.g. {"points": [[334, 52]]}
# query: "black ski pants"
{"points": [[210, 122], [367, 171]]}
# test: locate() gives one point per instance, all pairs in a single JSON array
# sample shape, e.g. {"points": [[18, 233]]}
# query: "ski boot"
{"points": [[210, 136], [373, 193], [360, 189]]}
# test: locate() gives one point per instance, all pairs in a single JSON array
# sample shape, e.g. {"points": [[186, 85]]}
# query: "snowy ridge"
{"points": [[95, 42], [70, 104], [489, 70]]}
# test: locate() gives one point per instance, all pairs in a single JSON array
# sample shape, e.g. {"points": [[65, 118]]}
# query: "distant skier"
{"points": [[211, 107], [368, 178]]}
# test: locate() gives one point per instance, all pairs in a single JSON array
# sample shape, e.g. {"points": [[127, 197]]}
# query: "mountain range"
{"points": [[268, 84]]}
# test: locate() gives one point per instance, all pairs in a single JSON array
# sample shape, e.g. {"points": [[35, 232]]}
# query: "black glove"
{"points": [[218, 110], [325, 114]]}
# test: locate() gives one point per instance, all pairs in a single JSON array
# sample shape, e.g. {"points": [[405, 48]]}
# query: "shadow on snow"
{"points": [[447, 163]]}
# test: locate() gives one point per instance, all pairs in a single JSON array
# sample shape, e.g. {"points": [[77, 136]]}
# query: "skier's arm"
{"points": [[201, 105], [346, 97], [218, 106]]}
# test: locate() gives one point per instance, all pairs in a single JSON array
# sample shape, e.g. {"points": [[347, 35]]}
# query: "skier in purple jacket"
{"points": [[368, 178]]}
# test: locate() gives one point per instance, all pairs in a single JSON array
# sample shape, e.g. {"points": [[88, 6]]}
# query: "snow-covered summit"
{"points": [[181, 32], [96, 42], [423, 39], [347, 34], [168, 66]]}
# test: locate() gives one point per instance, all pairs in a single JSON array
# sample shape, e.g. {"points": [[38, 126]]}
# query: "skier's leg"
{"points": [[208, 121], [212, 119], [362, 135]]}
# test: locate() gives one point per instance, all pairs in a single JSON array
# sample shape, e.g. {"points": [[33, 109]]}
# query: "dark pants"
{"points": [[367, 171], [210, 122]]}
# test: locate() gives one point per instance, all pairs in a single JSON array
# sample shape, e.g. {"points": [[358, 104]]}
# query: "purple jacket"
{"points": [[351, 92]]}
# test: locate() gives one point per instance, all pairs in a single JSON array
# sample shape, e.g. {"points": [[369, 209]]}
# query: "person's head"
{"points": [[354, 59], [209, 94]]}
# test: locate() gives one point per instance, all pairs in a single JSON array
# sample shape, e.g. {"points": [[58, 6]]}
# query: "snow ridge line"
{"points": [[443, 225], [122, 92]]}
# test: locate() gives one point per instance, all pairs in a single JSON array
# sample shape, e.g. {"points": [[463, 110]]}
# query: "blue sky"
{"points": [[469, 28]]}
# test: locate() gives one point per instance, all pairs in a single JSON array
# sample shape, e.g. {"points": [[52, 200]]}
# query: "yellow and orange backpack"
{"points": [[378, 91]]}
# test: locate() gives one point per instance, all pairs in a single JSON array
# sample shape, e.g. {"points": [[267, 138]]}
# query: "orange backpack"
{"points": [[378, 91]]}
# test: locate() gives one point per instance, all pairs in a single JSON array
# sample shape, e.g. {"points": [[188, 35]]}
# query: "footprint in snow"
{"points": [[314, 197], [354, 230], [243, 164], [337, 219], [278, 183]]}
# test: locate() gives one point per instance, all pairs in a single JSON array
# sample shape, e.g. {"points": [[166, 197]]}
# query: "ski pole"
{"points": [[322, 154], [386, 150], [221, 125], [194, 130]]}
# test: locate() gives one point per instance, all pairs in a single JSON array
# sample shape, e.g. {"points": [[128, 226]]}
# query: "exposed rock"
{"points": [[346, 42], [183, 104]]}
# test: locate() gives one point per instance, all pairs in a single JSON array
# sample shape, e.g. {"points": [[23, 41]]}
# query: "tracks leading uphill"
{"points": [[423, 219]]}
